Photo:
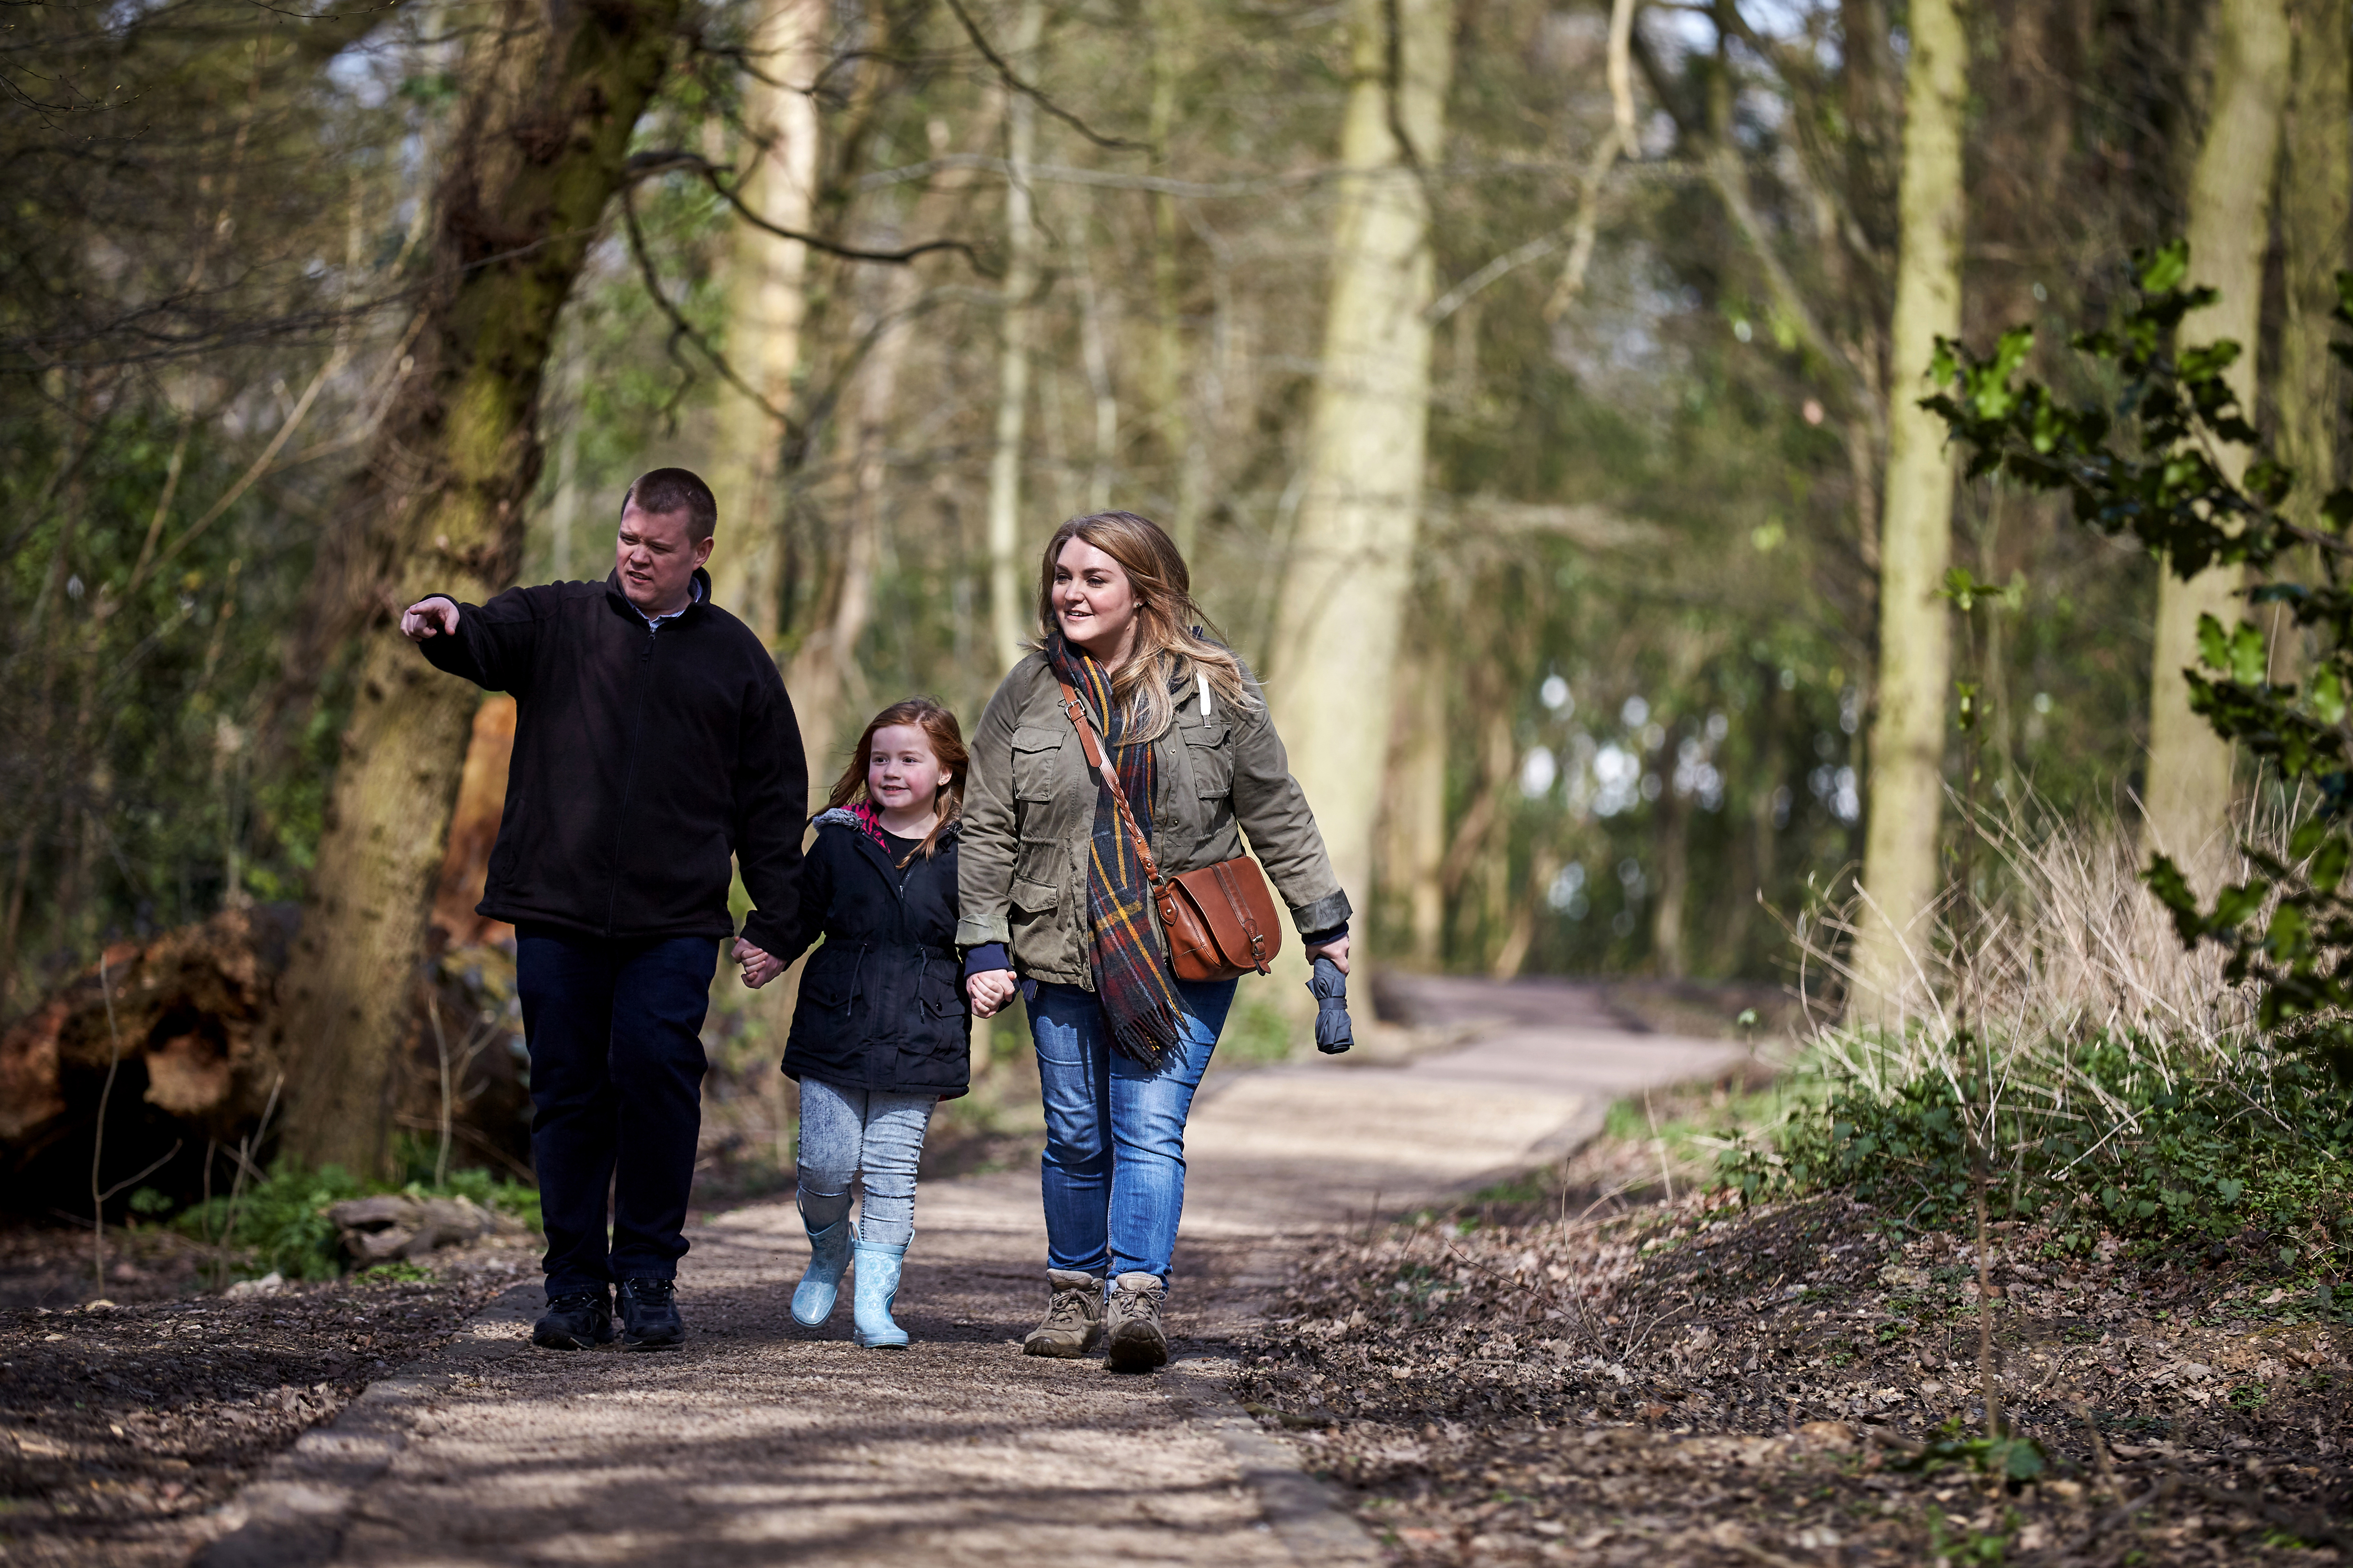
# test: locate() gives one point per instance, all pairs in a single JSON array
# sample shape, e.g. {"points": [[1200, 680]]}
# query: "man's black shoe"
{"points": [[576, 1320], [650, 1320]]}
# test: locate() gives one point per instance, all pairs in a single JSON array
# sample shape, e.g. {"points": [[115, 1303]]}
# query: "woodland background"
{"points": [[1532, 387]]}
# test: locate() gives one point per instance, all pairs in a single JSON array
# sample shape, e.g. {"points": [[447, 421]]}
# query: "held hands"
{"points": [[1337, 951], [759, 966], [435, 617], [990, 990]]}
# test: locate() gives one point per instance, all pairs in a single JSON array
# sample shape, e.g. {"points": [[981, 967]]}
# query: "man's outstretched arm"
{"points": [[488, 645]]}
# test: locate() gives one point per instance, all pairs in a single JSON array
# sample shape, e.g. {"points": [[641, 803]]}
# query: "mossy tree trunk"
{"points": [[1342, 602], [1899, 872], [2187, 792], [542, 146]]}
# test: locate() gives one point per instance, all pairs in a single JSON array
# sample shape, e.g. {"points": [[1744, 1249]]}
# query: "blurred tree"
{"points": [[784, 58], [2187, 797], [1343, 599], [1010, 606], [2316, 225], [542, 145], [1901, 876]]}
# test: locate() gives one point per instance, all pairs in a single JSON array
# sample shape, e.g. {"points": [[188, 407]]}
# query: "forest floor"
{"points": [[1692, 1382], [1604, 1365]]}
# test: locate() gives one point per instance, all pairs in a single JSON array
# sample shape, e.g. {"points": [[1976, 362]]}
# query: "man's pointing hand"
{"points": [[434, 617]]}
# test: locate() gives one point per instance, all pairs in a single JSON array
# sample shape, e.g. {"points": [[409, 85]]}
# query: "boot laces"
{"points": [[1068, 1307]]}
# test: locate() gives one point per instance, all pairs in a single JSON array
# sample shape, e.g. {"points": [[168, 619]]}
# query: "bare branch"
{"points": [[1005, 73]]}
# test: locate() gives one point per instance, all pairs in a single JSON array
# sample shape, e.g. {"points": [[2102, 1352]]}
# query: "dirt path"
{"points": [[762, 1442]]}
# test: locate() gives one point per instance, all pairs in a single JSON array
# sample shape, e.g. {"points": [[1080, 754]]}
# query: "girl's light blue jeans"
{"points": [[1113, 1172], [872, 1134]]}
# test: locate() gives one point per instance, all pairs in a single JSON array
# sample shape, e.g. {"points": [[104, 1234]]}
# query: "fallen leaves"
{"points": [[1697, 1383]]}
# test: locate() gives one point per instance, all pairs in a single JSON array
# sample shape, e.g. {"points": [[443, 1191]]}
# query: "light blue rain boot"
{"points": [[820, 1285], [876, 1288]]}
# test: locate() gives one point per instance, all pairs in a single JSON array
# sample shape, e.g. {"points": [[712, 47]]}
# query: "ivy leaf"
{"points": [[2213, 648], [2249, 661], [2329, 696], [2163, 268]]}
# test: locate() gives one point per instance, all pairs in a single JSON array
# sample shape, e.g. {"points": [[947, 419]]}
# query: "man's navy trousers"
{"points": [[615, 1030]]}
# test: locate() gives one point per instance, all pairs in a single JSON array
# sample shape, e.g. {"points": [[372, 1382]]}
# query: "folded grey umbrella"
{"points": [[1330, 987]]}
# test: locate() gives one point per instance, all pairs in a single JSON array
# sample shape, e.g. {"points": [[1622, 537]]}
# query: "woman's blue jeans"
{"points": [[1113, 1172], [872, 1135]]}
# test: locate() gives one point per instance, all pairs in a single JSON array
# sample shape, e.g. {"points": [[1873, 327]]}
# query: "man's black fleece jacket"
{"points": [[644, 756]]}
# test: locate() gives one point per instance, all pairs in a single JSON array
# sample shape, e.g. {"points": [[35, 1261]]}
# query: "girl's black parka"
{"points": [[882, 1002]]}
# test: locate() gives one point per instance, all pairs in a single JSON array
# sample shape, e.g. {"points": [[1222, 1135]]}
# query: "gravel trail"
{"points": [[762, 1442]]}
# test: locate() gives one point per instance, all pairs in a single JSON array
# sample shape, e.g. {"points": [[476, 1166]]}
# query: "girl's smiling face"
{"points": [[903, 777]]}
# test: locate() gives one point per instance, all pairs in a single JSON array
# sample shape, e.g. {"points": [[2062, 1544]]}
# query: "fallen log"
{"points": [[379, 1229]]}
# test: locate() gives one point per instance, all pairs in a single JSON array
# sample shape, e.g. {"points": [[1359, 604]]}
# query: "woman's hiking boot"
{"points": [[872, 1294], [575, 1321], [1132, 1338], [650, 1320], [1073, 1316], [820, 1285]]}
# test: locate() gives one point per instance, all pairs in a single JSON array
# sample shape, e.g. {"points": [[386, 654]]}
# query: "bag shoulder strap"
{"points": [[1076, 712]]}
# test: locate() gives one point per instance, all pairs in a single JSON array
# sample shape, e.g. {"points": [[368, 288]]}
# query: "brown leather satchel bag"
{"points": [[1221, 919]]}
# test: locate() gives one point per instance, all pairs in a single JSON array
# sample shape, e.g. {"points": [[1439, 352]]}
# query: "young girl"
{"points": [[880, 1033]]}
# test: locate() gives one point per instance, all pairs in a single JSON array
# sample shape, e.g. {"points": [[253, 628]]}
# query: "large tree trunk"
{"points": [[2188, 793], [1008, 613], [767, 300], [543, 147], [1916, 538], [1343, 600]]}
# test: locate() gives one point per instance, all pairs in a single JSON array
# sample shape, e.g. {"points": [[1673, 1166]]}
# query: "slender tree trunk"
{"points": [[767, 300], [1414, 851], [1669, 955], [1343, 600], [824, 676], [1916, 542], [1008, 613], [2188, 795], [552, 100], [2315, 192]]}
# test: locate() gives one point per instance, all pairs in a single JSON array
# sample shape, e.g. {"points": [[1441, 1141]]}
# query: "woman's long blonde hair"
{"points": [[1174, 640]]}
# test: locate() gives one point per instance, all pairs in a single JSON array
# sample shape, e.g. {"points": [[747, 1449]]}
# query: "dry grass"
{"points": [[2059, 951]]}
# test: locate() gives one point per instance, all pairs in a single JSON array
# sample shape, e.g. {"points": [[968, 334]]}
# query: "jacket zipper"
{"points": [[630, 777]]}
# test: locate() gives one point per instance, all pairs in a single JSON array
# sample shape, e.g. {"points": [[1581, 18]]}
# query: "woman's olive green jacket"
{"points": [[1029, 815]]}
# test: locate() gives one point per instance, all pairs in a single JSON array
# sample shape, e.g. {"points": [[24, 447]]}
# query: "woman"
{"points": [[1046, 874]]}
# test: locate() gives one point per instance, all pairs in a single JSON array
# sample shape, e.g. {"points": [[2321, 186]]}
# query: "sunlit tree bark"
{"points": [[1899, 873], [767, 302], [542, 149], [2188, 793], [1343, 600]]}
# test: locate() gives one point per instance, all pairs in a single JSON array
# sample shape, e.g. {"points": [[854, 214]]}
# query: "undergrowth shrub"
{"points": [[280, 1226], [2173, 1166], [2110, 1081]]}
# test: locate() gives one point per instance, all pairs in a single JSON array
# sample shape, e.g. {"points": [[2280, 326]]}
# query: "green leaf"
{"points": [[2163, 268], [2250, 662], [2213, 648], [2329, 696]]}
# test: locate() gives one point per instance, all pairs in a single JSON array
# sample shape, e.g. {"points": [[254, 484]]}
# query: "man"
{"points": [[653, 739]]}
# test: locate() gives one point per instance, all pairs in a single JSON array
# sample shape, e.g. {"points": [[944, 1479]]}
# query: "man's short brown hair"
{"points": [[667, 490]]}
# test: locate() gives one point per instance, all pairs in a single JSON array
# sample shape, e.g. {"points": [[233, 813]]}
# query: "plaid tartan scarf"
{"points": [[1131, 982]]}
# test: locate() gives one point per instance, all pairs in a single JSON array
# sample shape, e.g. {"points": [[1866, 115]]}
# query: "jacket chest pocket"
{"points": [[1035, 754], [1212, 762]]}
